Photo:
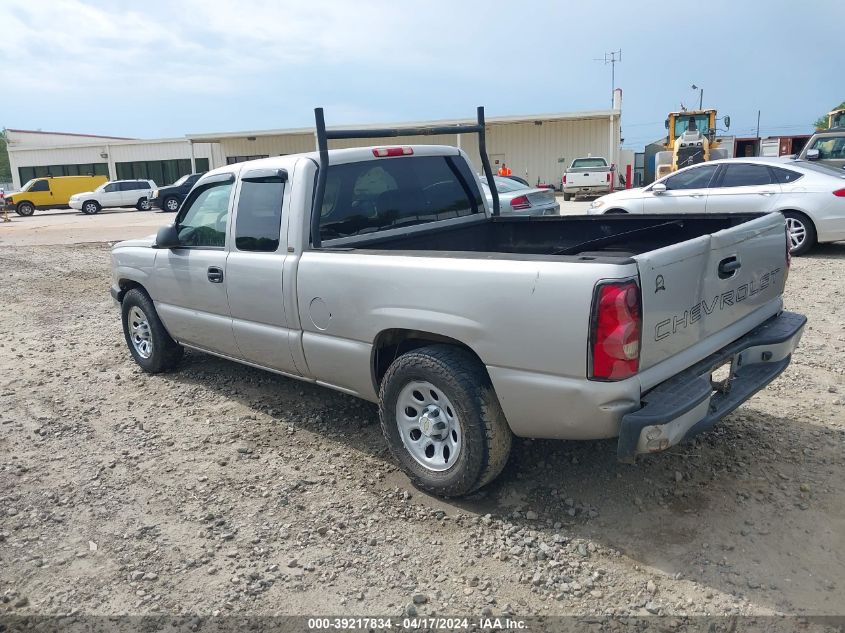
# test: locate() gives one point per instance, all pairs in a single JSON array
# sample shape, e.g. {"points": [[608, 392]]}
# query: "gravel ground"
{"points": [[222, 489]]}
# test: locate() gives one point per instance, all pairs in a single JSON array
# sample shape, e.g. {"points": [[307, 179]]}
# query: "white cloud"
{"points": [[79, 48]]}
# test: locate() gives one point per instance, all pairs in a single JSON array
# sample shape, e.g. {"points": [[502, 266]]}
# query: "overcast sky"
{"points": [[161, 68]]}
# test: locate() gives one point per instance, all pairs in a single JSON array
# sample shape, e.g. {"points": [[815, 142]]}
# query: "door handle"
{"points": [[698, 195], [215, 274], [729, 266], [766, 193]]}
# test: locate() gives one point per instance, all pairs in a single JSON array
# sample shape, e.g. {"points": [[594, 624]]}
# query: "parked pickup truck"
{"points": [[587, 177], [383, 272]]}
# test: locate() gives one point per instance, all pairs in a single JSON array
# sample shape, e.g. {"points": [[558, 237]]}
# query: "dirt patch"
{"points": [[222, 489]]}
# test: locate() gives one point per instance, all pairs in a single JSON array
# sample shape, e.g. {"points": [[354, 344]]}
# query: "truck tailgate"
{"points": [[587, 176], [694, 289]]}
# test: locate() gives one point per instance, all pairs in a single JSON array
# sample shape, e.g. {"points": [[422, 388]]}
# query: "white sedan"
{"points": [[811, 196]]}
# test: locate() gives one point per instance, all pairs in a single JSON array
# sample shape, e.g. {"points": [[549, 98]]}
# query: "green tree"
{"points": [[5, 168], [821, 122]]}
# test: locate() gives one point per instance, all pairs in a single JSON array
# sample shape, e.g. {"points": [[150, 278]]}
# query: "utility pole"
{"points": [[758, 134], [611, 58]]}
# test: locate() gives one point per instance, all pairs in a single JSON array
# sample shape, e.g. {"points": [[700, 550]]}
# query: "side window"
{"points": [[786, 176], [111, 188], [746, 175], [204, 216], [259, 218], [695, 178], [40, 185], [830, 147], [127, 186]]}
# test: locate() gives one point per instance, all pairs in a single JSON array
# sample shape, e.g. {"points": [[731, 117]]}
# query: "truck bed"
{"points": [[584, 238]]}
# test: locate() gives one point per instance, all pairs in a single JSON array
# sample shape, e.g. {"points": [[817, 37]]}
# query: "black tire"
{"points": [[796, 222], [91, 207], [165, 353], [615, 212], [567, 197], [170, 203], [25, 209], [486, 436], [143, 204]]}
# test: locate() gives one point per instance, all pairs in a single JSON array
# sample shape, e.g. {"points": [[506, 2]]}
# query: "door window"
{"points": [[746, 175], [695, 178], [831, 147], [111, 187], [204, 216], [259, 219], [40, 185]]}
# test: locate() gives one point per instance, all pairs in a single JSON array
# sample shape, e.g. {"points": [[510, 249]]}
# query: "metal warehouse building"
{"points": [[536, 147]]}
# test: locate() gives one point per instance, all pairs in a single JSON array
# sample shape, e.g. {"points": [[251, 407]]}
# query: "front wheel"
{"points": [[91, 207], [442, 420], [149, 343], [143, 204], [25, 209], [802, 233]]}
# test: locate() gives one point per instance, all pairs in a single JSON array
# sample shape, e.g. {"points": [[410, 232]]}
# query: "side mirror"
{"points": [[666, 123], [812, 154], [658, 188], [727, 121], [167, 237]]}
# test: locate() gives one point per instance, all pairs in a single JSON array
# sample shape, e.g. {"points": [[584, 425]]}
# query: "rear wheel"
{"points": [[149, 343], [567, 196], [802, 232], [25, 209], [143, 204], [90, 207], [171, 204], [615, 212], [442, 420]]}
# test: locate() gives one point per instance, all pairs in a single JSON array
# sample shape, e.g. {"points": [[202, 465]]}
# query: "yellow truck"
{"points": [[691, 140], [50, 192]]}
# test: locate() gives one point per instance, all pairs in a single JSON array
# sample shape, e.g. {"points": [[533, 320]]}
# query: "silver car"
{"points": [[811, 196], [517, 199]]}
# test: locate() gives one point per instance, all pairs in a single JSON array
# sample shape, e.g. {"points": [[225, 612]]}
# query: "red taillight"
{"points": [[839, 193], [520, 202], [383, 152], [608, 176], [564, 179], [617, 322]]}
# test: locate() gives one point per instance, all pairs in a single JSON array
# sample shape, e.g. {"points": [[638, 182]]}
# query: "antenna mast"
{"points": [[611, 58]]}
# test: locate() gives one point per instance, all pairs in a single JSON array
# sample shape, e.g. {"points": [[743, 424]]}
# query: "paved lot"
{"points": [[222, 489]]}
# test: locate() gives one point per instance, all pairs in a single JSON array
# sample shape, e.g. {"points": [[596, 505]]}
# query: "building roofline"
{"points": [[121, 143], [116, 138], [522, 118]]}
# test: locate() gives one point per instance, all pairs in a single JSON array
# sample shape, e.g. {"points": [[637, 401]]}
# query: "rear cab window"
{"points": [[377, 195], [580, 163]]}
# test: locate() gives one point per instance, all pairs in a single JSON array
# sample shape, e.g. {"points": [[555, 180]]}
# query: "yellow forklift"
{"points": [[691, 140]]}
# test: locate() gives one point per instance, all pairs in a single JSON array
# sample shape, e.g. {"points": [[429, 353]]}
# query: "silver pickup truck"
{"points": [[383, 272]]}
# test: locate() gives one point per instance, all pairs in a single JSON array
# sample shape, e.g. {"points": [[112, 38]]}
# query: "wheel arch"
{"points": [[125, 285], [391, 343]]}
